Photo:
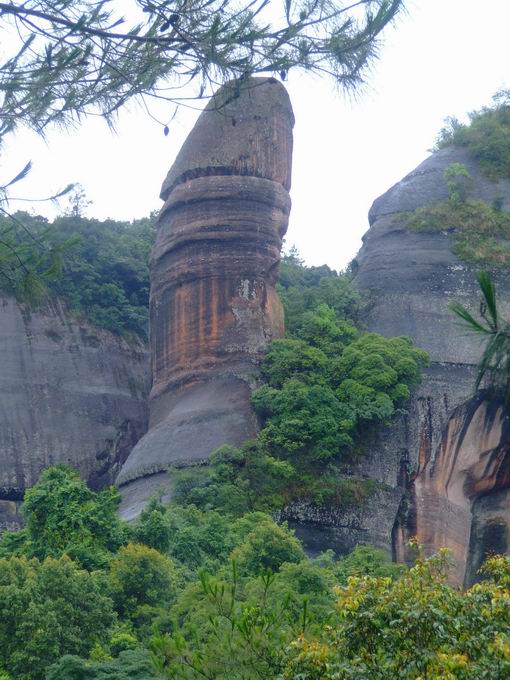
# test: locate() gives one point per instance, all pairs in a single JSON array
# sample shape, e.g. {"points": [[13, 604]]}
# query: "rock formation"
{"points": [[214, 307], [471, 464], [449, 457], [71, 393]]}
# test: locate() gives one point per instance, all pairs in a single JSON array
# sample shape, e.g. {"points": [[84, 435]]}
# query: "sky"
{"points": [[442, 58]]}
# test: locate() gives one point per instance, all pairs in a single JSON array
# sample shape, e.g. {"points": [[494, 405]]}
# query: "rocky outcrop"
{"points": [[70, 393], [214, 266], [444, 456], [447, 501]]}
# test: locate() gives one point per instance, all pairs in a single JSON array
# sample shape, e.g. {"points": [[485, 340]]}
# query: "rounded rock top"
{"points": [[245, 129]]}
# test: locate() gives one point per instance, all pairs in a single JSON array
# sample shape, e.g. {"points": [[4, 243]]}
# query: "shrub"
{"points": [[459, 181], [480, 233], [486, 137]]}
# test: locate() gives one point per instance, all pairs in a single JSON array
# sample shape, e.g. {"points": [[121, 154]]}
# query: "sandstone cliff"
{"points": [[448, 458], [214, 308], [71, 393]]}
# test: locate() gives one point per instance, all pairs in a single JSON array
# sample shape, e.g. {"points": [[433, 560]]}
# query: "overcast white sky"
{"points": [[446, 57]]}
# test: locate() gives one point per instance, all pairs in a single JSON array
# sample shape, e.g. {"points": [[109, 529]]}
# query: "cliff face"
{"points": [[70, 393], [448, 456], [214, 308]]}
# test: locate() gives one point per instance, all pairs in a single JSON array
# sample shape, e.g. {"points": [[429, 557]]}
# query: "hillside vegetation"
{"points": [[185, 594], [102, 271], [480, 232]]}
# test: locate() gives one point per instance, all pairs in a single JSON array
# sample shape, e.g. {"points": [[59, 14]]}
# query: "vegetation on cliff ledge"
{"points": [[486, 137], [480, 232]]}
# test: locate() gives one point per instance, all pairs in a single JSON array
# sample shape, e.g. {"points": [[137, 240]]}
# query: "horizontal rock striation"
{"points": [[214, 308], [70, 393], [409, 279]]}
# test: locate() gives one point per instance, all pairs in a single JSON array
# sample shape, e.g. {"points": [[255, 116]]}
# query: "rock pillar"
{"points": [[214, 307]]}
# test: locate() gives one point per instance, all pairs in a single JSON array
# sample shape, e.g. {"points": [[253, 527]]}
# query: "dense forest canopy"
{"points": [[104, 273], [187, 594]]}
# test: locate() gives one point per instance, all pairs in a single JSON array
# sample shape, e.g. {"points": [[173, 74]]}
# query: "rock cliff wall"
{"points": [[70, 393], [214, 308], [449, 454]]}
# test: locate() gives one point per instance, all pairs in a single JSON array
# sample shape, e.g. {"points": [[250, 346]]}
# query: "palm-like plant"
{"points": [[494, 365]]}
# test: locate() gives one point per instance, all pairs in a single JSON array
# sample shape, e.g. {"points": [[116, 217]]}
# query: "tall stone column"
{"points": [[214, 307]]}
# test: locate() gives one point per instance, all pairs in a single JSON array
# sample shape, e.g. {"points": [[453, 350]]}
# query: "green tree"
{"points": [[267, 547], [129, 665], [141, 579], [304, 419], [48, 609], [64, 517], [458, 180], [303, 289], [104, 275], [414, 627], [486, 137], [319, 402], [236, 481]]}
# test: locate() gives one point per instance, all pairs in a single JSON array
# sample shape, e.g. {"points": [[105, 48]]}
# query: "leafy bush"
{"points": [[64, 517], [142, 581], [480, 233], [303, 288], [236, 481], [458, 180], [486, 137], [265, 548], [129, 665], [322, 398]]}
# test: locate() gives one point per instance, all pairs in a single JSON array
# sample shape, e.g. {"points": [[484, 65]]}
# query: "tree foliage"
{"points": [[105, 271], [128, 665], [65, 518], [67, 59], [326, 385], [238, 599], [414, 627], [47, 609], [486, 137]]}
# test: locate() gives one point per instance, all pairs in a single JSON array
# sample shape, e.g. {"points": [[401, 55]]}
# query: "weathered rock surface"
{"points": [[448, 440], [448, 504], [70, 393], [214, 266]]}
